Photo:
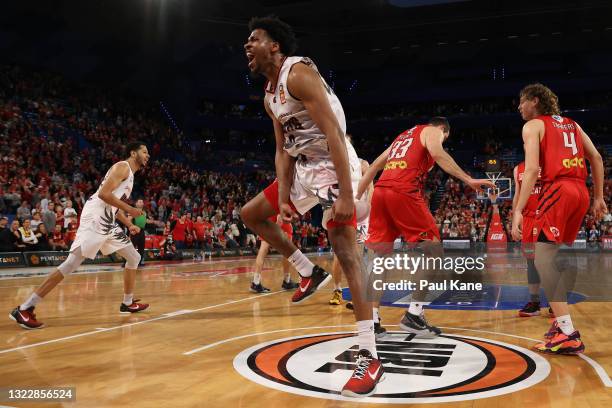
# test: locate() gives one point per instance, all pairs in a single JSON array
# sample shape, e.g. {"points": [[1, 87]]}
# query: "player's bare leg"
{"points": [[562, 337], [336, 298], [256, 285], [132, 260]]}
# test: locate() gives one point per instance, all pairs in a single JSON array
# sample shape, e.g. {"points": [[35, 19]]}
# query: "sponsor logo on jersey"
{"points": [[557, 118], [573, 162], [447, 368], [281, 94], [395, 164], [555, 231]]}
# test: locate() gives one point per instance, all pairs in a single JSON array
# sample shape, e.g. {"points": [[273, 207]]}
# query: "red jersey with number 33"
{"points": [[561, 149], [408, 163], [532, 203]]}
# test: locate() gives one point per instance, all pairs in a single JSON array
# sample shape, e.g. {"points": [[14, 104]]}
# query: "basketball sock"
{"points": [[337, 286], [534, 297], [416, 308], [287, 278], [365, 336], [128, 299], [32, 301], [301, 263], [257, 278], [565, 324], [375, 315]]}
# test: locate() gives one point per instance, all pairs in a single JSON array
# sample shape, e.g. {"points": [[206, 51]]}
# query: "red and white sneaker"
{"points": [[309, 285], [367, 374], [135, 307], [26, 318]]}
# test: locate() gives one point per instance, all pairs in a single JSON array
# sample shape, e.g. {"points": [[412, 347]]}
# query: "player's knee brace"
{"points": [[74, 260], [131, 256]]}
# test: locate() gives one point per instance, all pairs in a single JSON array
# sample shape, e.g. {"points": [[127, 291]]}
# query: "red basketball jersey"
{"points": [[408, 162], [561, 149], [532, 203]]}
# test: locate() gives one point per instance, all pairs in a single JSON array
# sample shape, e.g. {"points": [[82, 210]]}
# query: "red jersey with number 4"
{"points": [[408, 163], [532, 203], [561, 149]]}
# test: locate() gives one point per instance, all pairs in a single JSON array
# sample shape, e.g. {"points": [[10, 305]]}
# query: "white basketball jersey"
{"points": [[95, 207], [302, 135]]}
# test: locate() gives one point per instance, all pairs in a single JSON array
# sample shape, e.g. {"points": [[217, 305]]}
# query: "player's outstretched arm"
{"points": [[433, 138], [118, 173], [597, 171], [284, 166], [371, 172], [307, 85]]}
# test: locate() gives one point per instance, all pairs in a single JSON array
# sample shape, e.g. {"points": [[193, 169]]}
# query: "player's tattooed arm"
{"points": [[599, 207], [283, 163], [306, 84], [432, 138], [367, 177], [119, 172]]}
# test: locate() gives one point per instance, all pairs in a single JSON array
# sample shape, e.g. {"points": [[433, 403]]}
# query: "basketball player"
{"points": [[264, 248], [98, 231], [315, 164], [398, 206], [558, 146], [532, 308]]}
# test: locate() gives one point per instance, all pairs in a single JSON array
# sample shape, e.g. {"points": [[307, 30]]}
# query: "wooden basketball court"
{"points": [[188, 348]]}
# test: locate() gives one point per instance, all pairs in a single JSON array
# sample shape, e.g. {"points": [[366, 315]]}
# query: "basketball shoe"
{"points": [[259, 288], [135, 307], [309, 285], [26, 318], [418, 325], [367, 374], [554, 329], [530, 309], [289, 285], [562, 343], [379, 331], [336, 297]]}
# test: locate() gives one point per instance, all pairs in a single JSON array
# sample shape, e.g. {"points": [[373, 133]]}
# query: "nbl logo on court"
{"points": [[444, 369]]}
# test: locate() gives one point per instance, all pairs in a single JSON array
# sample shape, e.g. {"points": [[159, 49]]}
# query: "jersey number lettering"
{"points": [[570, 141], [399, 149]]}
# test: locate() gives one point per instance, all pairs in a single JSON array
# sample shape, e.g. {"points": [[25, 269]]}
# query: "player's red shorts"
{"points": [[561, 209], [529, 237], [287, 228], [271, 193], [395, 214]]}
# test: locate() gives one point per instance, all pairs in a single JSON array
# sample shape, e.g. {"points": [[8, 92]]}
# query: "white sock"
{"points": [[375, 315], [257, 278], [32, 301], [287, 278], [128, 299], [365, 336], [338, 286], [416, 308], [565, 324], [301, 263]]}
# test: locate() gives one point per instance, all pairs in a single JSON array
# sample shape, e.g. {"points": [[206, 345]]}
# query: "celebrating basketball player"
{"points": [[98, 231], [264, 248], [532, 308], [315, 164], [558, 146], [398, 206]]}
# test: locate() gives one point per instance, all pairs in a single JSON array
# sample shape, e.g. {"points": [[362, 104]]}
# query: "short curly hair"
{"points": [[278, 31], [548, 102]]}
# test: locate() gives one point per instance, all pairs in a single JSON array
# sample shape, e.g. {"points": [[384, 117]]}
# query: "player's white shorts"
{"points": [[99, 234], [315, 181]]}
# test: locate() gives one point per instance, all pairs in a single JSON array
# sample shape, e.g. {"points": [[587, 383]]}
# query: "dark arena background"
{"points": [[81, 80]]}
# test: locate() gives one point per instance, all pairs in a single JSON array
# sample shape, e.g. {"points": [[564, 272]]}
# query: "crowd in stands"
{"points": [[57, 140]]}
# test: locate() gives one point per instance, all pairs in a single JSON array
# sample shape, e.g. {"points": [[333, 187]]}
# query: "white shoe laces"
{"points": [[363, 363]]}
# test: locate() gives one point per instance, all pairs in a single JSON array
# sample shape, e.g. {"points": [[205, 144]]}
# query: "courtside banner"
{"points": [[11, 259], [46, 258], [606, 242]]}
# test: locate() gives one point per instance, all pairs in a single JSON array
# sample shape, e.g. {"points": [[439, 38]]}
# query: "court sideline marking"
{"points": [[599, 370], [167, 315]]}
